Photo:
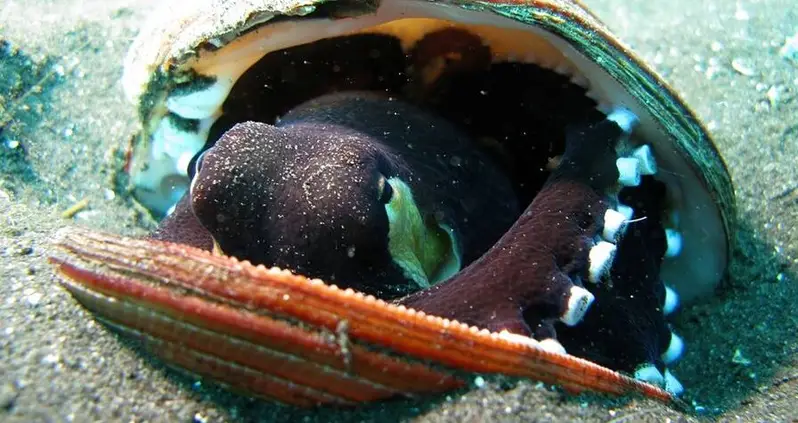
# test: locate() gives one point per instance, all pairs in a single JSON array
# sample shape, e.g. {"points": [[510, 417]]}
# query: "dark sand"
{"points": [[64, 123]]}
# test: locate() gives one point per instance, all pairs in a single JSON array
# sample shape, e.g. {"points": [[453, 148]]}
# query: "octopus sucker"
{"points": [[483, 186]]}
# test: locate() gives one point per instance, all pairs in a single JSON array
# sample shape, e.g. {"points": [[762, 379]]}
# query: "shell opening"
{"points": [[259, 75]]}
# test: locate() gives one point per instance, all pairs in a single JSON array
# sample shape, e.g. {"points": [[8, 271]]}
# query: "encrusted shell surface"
{"points": [[175, 33]]}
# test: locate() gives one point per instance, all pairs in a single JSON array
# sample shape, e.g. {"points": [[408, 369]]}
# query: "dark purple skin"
{"points": [[183, 228], [625, 326], [522, 283]]}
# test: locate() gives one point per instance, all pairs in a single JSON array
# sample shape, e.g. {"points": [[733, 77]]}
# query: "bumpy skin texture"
{"points": [[626, 326], [182, 227], [522, 284], [303, 194]]}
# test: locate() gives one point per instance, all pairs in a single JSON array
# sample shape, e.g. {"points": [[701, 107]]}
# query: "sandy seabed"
{"points": [[64, 124]]}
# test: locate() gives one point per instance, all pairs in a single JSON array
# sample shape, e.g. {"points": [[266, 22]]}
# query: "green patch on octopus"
{"points": [[424, 249]]}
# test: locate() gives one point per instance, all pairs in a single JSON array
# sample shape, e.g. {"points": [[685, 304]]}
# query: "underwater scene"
{"points": [[398, 210]]}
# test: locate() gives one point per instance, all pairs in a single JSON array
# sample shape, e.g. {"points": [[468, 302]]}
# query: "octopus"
{"points": [[423, 190]]}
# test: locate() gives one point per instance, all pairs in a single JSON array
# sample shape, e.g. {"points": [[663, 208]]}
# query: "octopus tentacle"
{"points": [[532, 275]]}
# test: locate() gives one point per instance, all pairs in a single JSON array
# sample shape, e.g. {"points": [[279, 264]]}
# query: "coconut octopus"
{"points": [[488, 185]]}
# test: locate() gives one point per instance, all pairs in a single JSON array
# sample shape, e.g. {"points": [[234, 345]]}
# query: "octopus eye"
{"points": [[197, 165], [385, 190]]}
